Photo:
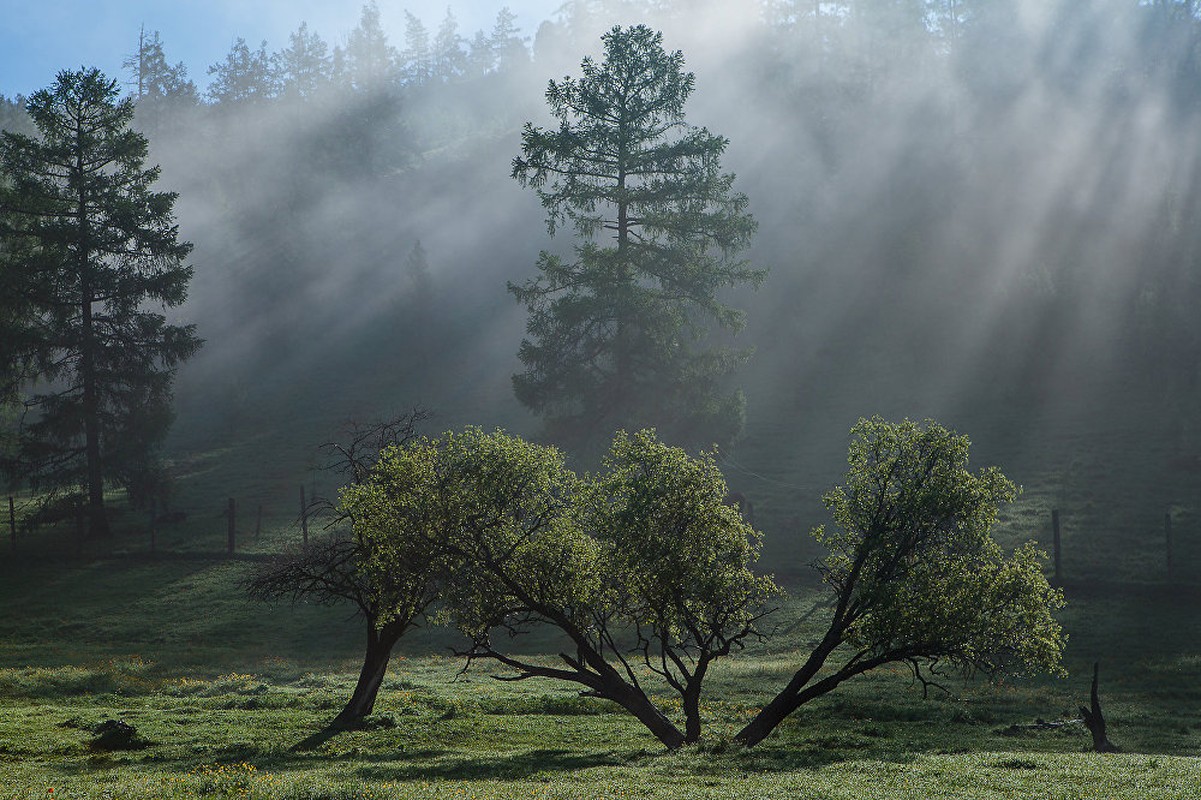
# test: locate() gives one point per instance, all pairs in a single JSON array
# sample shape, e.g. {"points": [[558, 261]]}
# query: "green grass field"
{"points": [[220, 688]]}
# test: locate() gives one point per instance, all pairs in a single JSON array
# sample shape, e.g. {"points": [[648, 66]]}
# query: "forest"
{"points": [[614, 382]]}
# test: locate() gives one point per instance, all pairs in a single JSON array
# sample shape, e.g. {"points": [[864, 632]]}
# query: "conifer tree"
{"points": [[616, 333], [91, 244]]}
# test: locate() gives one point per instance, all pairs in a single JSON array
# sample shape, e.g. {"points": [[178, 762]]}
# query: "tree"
{"points": [[506, 43], [369, 61], [152, 76], [449, 59], [679, 561], [416, 57], [93, 245], [915, 575], [528, 544], [246, 76], [334, 570], [303, 67], [614, 332], [160, 87]]}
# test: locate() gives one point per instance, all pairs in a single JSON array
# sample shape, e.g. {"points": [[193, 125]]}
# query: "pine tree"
{"points": [[246, 76], [416, 56], [449, 60], [90, 244], [614, 332], [370, 61], [303, 67], [152, 77]]}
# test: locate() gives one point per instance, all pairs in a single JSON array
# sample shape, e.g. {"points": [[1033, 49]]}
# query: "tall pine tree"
{"points": [[617, 333], [91, 245]]}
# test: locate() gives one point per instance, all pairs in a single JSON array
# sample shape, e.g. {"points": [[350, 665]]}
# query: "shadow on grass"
{"points": [[509, 766]]}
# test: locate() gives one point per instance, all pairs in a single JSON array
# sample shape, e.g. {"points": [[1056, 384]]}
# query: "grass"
{"points": [[220, 689]]}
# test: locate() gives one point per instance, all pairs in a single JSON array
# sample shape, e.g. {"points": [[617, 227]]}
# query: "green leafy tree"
{"points": [[616, 332], [529, 544], [915, 575], [92, 245], [679, 561], [333, 571]]}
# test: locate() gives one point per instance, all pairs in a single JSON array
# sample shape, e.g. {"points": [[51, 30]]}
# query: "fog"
{"points": [[981, 211]]}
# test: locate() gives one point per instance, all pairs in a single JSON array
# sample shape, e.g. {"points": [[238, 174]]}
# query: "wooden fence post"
{"points": [[1167, 531], [304, 516], [153, 519], [79, 535], [12, 521], [1055, 544], [232, 522]]}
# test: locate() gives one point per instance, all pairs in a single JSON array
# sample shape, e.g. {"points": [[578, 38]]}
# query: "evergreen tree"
{"points": [[613, 332], [416, 56], [449, 60], [246, 76], [506, 42], [304, 66], [480, 60], [162, 90], [370, 62], [152, 77], [89, 244]]}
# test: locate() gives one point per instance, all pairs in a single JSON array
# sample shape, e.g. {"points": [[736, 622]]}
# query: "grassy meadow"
{"points": [[221, 689]]}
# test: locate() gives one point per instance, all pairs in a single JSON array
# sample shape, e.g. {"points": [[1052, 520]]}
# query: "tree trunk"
{"points": [[97, 521], [692, 713], [1094, 720], [633, 700], [767, 719], [371, 676], [793, 696]]}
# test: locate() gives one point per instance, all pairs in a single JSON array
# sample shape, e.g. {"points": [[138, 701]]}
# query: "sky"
{"points": [[37, 39]]}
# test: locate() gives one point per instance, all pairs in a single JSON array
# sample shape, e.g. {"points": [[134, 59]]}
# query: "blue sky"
{"points": [[40, 37]]}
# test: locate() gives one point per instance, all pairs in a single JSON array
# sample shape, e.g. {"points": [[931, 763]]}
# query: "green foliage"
{"points": [[646, 556], [916, 576], [914, 559], [91, 243], [678, 559], [614, 333]]}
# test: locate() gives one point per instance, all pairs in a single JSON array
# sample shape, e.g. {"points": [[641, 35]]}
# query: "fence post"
{"points": [[258, 523], [12, 521], [232, 521], [153, 519], [79, 535], [1167, 531], [1055, 545], [304, 516]]}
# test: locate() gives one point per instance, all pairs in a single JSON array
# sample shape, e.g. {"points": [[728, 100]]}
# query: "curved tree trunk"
{"points": [[371, 676], [767, 719], [633, 700]]}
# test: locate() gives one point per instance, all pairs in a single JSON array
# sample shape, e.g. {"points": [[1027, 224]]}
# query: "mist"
{"points": [[978, 211]]}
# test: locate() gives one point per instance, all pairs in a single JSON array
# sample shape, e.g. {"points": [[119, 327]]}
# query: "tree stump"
{"points": [[1094, 720]]}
